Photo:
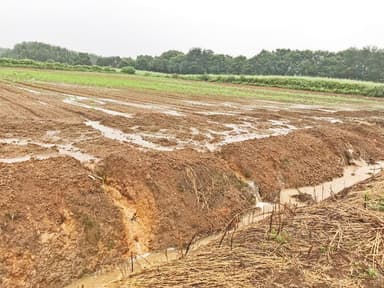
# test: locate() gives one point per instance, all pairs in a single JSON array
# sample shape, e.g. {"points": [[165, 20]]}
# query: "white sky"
{"points": [[132, 27]]}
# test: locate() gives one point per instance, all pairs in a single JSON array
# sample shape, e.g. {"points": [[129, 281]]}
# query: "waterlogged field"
{"points": [[97, 169], [165, 83]]}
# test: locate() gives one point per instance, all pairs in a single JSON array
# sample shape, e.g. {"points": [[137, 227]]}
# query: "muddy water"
{"points": [[235, 133], [116, 134], [352, 175], [247, 131], [75, 100], [199, 103], [71, 151], [15, 159], [28, 90], [158, 108], [81, 101], [213, 113], [328, 119], [62, 150]]}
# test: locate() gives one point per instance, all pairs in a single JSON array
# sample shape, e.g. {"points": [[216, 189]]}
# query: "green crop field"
{"points": [[166, 83], [341, 86]]}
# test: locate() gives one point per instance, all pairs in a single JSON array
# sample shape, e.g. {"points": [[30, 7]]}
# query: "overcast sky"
{"points": [[132, 27]]}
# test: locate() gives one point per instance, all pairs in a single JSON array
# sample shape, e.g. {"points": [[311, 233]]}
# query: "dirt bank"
{"points": [[337, 243], [177, 194], [56, 224], [303, 158]]}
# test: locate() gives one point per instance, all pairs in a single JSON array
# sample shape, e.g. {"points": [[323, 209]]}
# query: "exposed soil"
{"points": [[307, 157], [177, 194], [54, 219], [126, 172]]}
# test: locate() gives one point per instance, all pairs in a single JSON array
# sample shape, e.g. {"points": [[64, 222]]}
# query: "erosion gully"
{"points": [[352, 175]]}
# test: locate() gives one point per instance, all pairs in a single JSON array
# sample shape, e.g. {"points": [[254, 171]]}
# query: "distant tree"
{"points": [[171, 54], [3, 51], [127, 62], [83, 59], [360, 64], [43, 52], [114, 61], [144, 62], [128, 70]]}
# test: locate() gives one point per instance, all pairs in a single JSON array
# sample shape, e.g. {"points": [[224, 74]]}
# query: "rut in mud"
{"points": [[103, 173]]}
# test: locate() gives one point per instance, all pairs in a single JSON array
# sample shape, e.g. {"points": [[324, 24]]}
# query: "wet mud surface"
{"points": [[91, 175]]}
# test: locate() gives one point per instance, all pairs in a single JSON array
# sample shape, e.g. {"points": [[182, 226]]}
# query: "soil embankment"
{"points": [[336, 243]]}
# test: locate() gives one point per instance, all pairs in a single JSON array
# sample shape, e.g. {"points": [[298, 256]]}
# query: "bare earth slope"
{"points": [[337, 243]]}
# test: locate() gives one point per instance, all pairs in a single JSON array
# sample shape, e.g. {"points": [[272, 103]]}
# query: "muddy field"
{"points": [[90, 176]]}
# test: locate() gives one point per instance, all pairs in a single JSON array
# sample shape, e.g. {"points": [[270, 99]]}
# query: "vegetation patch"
{"points": [[168, 84]]}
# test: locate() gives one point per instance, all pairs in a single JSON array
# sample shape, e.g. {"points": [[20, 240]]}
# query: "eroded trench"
{"points": [[301, 196]]}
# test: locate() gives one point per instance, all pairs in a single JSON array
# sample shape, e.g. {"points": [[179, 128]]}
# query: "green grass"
{"points": [[161, 83], [316, 84], [341, 86], [31, 64]]}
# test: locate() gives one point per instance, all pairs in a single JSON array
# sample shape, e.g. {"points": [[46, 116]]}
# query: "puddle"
{"points": [[14, 141], [116, 134], [213, 113], [280, 131], [320, 108], [28, 90], [63, 150], [194, 131], [27, 158], [212, 141], [52, 135], [351, 176], [158, 108], [328, 119], [71, 151], [229, 104], [308, 107], [74, 100], [236, 133], [223, 104], [78, 101], [243, 132], [228, 139], [199, 103], [15, 159]]}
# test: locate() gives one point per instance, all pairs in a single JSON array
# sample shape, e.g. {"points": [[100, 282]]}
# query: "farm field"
{"points": [[99, 168], [190, 86]]}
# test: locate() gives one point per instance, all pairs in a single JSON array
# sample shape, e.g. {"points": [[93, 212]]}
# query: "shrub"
{"points": [[203, 77], [128, 70]]}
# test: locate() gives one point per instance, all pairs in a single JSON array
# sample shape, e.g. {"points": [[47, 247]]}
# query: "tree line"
{"points": [[2, 51], [358, 64]]}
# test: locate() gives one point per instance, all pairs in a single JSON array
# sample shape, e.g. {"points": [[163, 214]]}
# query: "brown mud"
{"points": [[151, 172]]}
